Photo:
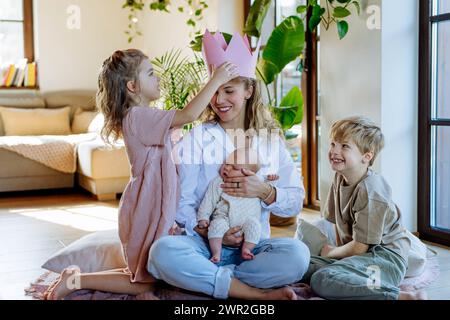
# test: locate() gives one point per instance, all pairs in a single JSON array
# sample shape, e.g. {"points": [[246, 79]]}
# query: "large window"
{"points": [[305, 148], [16, 31], [434, 122]]}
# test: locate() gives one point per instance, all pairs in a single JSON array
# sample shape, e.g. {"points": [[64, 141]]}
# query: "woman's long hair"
{"points": [[257, 116], [113, 98]]}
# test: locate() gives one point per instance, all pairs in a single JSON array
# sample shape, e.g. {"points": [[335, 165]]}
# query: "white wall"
{"points": [[70, 59], [374, 73], [399, 113]]}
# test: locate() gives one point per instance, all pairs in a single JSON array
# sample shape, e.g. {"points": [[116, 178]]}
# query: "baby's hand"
{"points": [[272, 177], [225, 73], [203, 224]]}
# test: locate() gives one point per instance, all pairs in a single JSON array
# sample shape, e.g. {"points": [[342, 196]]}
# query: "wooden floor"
{"points": [[33, 226]]}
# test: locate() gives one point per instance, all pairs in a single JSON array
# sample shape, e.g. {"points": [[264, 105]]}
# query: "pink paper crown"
{"points": [[216, 52]]}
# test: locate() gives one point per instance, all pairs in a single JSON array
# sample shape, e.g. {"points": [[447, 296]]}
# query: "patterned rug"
{"points": [[166, 292]]}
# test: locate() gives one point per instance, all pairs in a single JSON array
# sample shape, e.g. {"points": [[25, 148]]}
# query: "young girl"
{"points": [[127, 84]]}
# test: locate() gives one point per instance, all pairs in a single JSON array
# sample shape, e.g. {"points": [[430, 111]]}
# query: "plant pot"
{"points": [[277, 221]]}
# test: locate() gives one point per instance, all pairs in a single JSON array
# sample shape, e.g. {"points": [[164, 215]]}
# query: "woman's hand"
{"points": [[201, 231], [249, 185], [233, 237]]}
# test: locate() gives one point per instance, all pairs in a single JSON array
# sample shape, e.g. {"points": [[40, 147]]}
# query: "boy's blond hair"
{"points": [[362, 131]]}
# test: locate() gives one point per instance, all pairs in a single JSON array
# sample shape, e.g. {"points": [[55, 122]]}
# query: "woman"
{"points": [[183, 260]]}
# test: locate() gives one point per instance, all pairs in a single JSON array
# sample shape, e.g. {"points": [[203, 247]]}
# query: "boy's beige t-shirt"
{"points": [[366, 213]]}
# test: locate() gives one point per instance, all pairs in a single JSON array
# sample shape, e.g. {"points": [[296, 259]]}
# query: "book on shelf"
{"points": [[30, 75], [21, 74], [21, 67]]}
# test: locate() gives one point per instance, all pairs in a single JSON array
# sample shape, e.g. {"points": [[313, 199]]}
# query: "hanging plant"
{"points": [[194, 8]]}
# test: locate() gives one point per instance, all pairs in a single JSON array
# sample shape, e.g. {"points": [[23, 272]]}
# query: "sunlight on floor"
{"points": [[85, 217]]}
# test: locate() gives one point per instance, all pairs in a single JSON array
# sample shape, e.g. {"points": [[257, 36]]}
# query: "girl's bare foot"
{"points": [[247, 254], [415, 295], [285, 293], [215, 259], [59, 289]]}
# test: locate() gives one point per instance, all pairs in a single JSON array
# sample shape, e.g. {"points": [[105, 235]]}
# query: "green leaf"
{"points": [[301, 9], [344, 1], [341, 12], [294, 98], [266, 71], [191, 22], [314, 21], [196, 44], [357, 6], [316, 17], [285, 44], [290, 110], [256, 16], [342, 27]]}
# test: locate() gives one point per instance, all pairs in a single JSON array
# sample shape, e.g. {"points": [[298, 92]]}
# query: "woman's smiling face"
{"points": [[230, 100]]}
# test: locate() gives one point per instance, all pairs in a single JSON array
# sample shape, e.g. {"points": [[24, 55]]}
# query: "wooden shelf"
{"points": [[19, 88]]}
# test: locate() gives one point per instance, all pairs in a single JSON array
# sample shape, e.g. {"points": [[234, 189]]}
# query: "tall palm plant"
{"points": [[181, 78]]}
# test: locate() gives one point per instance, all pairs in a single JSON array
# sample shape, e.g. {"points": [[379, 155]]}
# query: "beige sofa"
{"points": [[102, 170]]}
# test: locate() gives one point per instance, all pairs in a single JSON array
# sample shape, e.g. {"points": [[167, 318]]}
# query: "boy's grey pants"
{"points": [[374, 275]]}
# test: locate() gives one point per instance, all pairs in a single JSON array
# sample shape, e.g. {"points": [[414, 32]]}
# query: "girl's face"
{"points": [[230, 100], [148, 82]]}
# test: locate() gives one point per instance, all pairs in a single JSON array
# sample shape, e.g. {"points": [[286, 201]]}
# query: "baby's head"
{"points": [[354, 141], [243, 158]]}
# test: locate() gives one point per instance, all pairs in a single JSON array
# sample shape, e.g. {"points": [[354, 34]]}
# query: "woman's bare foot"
{"points": [[215, 259], [247, 254], [415, 295], [285, 293], [59, 289]]}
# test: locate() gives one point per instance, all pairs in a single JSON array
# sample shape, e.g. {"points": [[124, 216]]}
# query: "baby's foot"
{"points": [[247, 254], [285, 293], [58, 290], [415, 295], [215, 259]]}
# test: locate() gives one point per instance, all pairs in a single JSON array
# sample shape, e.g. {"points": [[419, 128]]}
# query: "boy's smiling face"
{"points": [[345, 157]]}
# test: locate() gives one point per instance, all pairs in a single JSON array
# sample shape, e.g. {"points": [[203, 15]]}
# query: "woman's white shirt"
{"points": [[201, 153]]}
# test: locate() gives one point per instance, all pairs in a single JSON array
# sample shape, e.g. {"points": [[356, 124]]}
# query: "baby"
{"points": [[220, 211]]}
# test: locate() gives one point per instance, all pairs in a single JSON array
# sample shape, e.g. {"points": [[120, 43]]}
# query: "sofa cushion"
{"points": [[82, 120], [22, 122]]}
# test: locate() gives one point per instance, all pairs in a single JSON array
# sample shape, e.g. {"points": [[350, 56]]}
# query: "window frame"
{"points": [[28, 33], [426, 124]]}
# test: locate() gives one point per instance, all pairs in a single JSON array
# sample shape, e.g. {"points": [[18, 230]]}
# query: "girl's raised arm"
{"points": [[194, 109]]}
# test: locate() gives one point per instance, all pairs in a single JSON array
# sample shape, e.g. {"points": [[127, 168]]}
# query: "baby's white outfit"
{"points": [[228, 212]]}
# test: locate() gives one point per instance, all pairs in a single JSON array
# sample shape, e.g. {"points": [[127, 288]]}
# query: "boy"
{"points": [[371, 256]]}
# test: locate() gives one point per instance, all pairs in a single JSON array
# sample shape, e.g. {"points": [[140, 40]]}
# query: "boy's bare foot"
{"points": [[285, 293], [58, 290], [415, 295], [247, 254], [215, 259]]}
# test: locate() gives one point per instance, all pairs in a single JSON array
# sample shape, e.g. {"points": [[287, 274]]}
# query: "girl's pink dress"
{"points": [[148, 205]]}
